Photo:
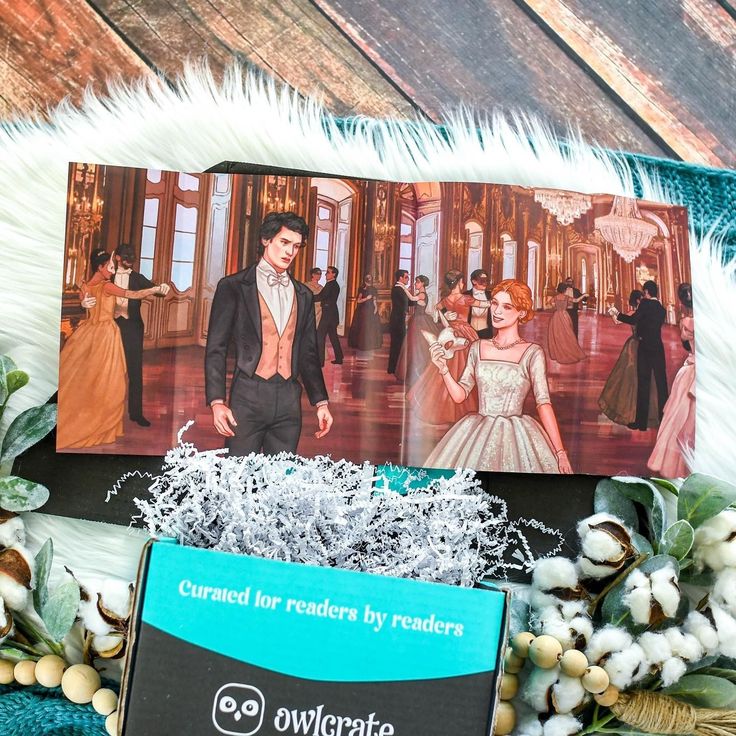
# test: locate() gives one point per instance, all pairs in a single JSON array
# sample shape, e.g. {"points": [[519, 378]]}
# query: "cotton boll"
{"points": [[703, 630], [672, 670], [562, 725], [724, 590], [593, 571], [16, 576], [726, 627], [554, 572], [656, 647], [605, 542], [581, 628], [536, 690], [627, 666], [571, 609], [601, 547], [715, 542], [606, 640], [527, 720], [665, 590], [12, 530], [639, 601], [91, 619], [684, 645], [549, 621], [567, 693], [116, 596]]}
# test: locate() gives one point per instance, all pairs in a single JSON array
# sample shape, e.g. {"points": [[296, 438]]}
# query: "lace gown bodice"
{"points": [[503, 385]]}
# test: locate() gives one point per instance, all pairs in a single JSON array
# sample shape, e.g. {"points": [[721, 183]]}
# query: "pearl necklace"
{"points": [[505, 347]]}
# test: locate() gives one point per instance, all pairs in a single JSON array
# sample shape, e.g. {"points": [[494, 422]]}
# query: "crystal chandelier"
{"points": [[565, 206], [625, 229]]}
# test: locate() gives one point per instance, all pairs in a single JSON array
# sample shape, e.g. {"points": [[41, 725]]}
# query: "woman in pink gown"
{"points": [[562, 345], [427, 397], [677, 431]]}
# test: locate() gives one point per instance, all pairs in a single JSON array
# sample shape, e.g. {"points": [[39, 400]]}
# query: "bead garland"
{"points": [[546, 652], [80, 683]]}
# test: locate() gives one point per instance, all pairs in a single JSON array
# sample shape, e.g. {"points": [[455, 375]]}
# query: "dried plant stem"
{"points": [[621, 576]]}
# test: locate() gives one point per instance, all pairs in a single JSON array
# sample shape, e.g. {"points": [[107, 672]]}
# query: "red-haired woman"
{"points": [[500, 437]]}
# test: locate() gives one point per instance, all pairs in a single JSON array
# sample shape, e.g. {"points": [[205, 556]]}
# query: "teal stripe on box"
{"points": [[235, 618]]}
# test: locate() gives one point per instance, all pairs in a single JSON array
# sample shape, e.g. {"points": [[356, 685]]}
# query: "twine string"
{"points": [[658, 713]]}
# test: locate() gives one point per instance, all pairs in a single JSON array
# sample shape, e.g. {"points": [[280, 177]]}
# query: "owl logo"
{"points": [[238, 709]]}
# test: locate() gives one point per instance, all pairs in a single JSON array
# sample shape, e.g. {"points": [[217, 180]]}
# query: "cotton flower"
{"points": [[568, 693], [554, 579], [672, 670], [724, 590], [527, 720], [703, 629], [725, 625], [715, 542], [656, 647], [537, 688], [683, 645], [606, 545], [16, 576], [107, 611], [12, 529], [562, 725], [627, 666], [605, 641], [6, 622], [569, 623], [652, 597]]}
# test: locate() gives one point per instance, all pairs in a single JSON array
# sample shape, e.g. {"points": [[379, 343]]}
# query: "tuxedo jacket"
{"points": [[575, 306], [236, 316], [328, 299], [399, 308], [136, 282], [489, 317], [648, 318]]}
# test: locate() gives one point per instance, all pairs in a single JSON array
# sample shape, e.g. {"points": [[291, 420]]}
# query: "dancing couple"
{"points": [[104, 356]]}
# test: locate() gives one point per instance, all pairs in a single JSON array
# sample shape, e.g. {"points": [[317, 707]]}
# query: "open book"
{"points": [[496, 327]]}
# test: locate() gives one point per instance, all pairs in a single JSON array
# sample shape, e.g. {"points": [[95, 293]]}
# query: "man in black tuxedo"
{"points": [[128, 319], [480, 319], [648, 318], [572, 310], [330, 316], [400, 298], [270, 318]]}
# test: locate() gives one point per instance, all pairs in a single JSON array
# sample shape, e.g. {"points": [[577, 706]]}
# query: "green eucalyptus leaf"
{"points": [[28, 428], [702, 497], [673, 486], [678, 539], [729, 675], [16, 380], [8, 363], [636, 489], [684, 564], [705, 691], [61, 609], [43, 567], [3, 384], [642, 544], [13, 653], [610, 499], [704, 579], [18, 494], [657, 517]]}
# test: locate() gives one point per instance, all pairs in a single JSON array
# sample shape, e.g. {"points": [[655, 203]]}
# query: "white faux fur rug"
{"points": [[248, 118]]}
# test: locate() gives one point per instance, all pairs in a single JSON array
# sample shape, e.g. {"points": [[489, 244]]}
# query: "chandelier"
{"points": [[565, 206], [625, 229]]}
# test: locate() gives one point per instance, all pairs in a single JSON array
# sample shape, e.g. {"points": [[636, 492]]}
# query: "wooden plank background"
{"points": [[648, 76]]}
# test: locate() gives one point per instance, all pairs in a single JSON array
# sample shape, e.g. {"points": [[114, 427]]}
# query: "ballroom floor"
{"points": [[368, 405]]}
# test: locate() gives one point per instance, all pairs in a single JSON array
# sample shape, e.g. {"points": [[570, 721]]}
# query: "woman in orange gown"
{"points": [[92, 372], [427, 398]]}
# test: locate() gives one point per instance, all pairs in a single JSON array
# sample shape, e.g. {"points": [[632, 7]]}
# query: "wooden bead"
{"points": [[608, 697], [6, 672], [509, 686], [595, 680], [25, 672], [111, 723], [511, 663], [574, 663], [105, 701], [80, 682], [505, 719], [545, 651], [49, 670], [520, 643]]}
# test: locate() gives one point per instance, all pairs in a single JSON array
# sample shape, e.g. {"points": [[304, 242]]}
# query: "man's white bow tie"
{"points": [[280, 279]]}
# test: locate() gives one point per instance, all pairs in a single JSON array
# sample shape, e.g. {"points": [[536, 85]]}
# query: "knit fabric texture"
{"points": [[41, 711]]}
